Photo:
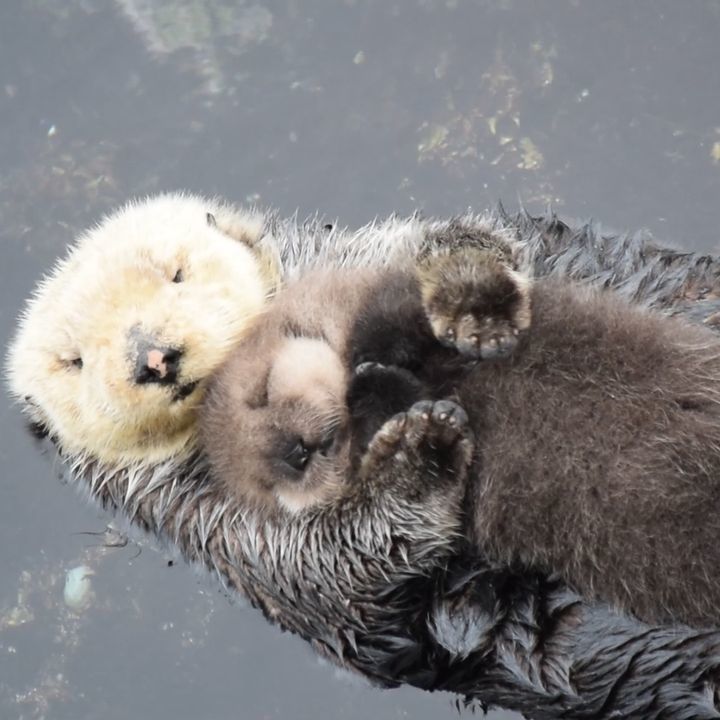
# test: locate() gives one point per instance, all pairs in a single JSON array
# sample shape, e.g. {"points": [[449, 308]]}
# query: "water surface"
{"points": [[355, 109]]}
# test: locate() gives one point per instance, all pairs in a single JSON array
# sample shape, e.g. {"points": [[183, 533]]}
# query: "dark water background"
{"points": [[606, 109]]}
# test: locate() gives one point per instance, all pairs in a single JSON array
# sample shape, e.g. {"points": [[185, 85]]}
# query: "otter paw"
{"points": [[439, 423], [430, 432], [375, 394], [494, 338], [387, 441], [475, 302]]}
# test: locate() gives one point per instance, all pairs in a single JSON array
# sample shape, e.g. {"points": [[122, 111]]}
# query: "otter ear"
{"points": [[246, 228]]}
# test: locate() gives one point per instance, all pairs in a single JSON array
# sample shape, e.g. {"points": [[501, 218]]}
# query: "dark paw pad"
{"points": [[439, 423], [487, 338], [431, 435]]}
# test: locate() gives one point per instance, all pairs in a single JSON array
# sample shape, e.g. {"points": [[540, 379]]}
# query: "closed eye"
{"points": [[294, 329], [72, 362]]}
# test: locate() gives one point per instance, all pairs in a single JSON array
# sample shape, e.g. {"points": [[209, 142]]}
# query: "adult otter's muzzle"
{"points": [[157, 364], [154, 363], [151, 360]]}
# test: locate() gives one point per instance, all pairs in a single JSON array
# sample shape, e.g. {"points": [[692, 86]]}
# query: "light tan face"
{"points": [[114, 351], [275, 431]]}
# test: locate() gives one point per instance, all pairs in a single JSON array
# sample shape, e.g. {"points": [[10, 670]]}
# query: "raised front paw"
{"points": [[475, 302], [429, 435]]}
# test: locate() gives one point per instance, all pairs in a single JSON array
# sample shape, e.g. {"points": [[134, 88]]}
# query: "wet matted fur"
{"points": [[523, 642]]}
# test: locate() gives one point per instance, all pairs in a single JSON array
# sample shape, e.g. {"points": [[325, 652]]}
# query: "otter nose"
{"points": [[157, 364]]}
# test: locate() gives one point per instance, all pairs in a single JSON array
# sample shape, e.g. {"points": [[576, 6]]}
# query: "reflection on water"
{"points": [[353, 108]]}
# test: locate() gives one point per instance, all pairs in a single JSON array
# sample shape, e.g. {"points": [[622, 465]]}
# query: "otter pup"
{"points": [[598, 437]]}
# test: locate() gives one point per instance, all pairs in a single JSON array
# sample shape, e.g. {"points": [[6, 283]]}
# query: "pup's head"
{"points": [[289, 417], [114, 349], [274, 423]]}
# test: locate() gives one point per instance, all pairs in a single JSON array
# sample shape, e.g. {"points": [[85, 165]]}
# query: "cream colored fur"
{"points": [[119, 276]]}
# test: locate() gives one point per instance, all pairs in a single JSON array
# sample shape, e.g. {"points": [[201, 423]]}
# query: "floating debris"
{"points": [[435, 138], [532, 158], [206, 28], [78, 593]]}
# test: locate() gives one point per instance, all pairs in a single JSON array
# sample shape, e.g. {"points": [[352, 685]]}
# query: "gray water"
{"points": [[606, 109]]}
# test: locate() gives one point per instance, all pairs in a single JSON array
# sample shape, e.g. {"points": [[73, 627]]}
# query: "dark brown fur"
{"points": [[598, 439], [599, 447]]}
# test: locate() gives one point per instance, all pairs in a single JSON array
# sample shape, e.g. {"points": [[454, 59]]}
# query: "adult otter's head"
{"points": [[114, 349]]}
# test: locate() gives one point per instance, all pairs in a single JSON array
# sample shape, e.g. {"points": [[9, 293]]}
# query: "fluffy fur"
{"points": [[599, 447], [598, 440], [516, 640], [174, 278], [280, 424]]}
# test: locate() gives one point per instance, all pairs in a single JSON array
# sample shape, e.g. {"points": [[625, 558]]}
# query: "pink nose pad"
{"points": [[157, 365]]}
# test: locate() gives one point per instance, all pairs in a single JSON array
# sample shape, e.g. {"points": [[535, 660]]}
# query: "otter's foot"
{"points": [[429, 434], [475, 302]]}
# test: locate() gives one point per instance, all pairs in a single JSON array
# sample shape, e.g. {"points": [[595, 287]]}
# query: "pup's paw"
{"points": [[440, 423], [475, 302], [430, 434], [486, 339]]}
